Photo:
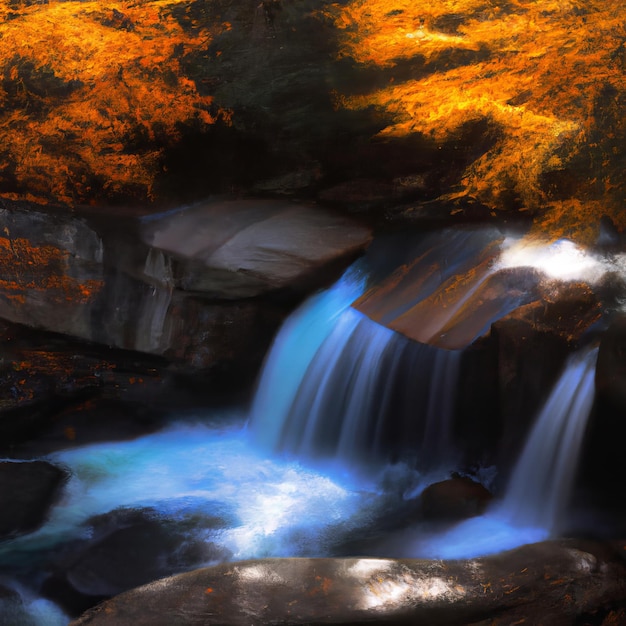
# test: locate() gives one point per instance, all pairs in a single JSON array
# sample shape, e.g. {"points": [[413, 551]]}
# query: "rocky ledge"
{"points": [[198, 285]]}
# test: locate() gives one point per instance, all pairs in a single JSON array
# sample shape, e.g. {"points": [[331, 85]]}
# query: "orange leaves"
{"points": [[538, 70], [122, 62]]}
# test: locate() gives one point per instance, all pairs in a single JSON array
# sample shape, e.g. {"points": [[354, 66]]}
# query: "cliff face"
{"points": [[368, 105]]}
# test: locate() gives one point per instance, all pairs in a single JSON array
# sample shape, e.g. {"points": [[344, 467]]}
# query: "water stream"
{"points": [[343, 403], [541, 483], [337, 385]]}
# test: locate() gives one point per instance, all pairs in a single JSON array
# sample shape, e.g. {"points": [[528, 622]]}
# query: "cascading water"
{"points": [[541, 482], [338, 385]]}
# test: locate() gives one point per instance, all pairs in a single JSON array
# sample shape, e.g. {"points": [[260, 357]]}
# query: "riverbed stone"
{"points": [[128, 547], [550, 583], [456, 498], [27, 491]]}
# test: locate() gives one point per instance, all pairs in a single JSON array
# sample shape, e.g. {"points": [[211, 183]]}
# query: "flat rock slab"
{"points": [[242, 248], [547, 583]]}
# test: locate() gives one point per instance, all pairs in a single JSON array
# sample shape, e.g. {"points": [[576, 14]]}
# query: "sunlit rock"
{"points": [[235, 249], [548, 583]]}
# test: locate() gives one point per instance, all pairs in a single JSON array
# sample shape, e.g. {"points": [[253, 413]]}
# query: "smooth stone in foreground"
{"points": [[549, 583]]}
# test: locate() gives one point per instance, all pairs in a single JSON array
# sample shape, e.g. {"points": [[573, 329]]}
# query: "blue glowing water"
{"points": [[541, 483], [337, 385], [278, 508]]}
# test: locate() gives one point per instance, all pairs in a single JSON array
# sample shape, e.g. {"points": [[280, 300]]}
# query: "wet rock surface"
{"points": [[27, 491], [549, 583], [456, 498]]}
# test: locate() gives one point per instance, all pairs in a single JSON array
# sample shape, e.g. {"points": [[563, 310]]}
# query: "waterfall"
{"points": [[543, 476], [541, 482], [339, 385]]}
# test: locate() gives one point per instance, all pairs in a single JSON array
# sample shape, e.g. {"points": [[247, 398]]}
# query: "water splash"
{"points": [[270, 507]]}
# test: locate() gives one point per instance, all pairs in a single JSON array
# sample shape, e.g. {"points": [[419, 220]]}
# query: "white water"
{"points": [[275, 508], [541, 483]]}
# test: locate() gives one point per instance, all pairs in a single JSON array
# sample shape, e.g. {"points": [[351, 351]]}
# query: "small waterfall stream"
{"points": [[542, 480], [541, 483], [338, 385]]}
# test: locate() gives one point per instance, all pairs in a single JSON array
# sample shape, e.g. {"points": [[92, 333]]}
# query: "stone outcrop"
{"points": [[184, 284], [450, 290], [127, 548], [546, 583]]}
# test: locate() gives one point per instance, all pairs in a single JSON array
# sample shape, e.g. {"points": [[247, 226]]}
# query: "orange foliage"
{"points": [[84, 84], [539, 67], [27, 268]]}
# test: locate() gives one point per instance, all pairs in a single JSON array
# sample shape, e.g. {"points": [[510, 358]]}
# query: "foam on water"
{"points": [[280, 508]]}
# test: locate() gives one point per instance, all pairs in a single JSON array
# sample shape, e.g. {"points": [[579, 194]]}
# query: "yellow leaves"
{"points": [[558, 54]]}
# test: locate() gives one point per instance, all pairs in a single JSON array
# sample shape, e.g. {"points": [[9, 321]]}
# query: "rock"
{"points": [[52, 387], [127, 548], [532, 344], [611, 368], [52, 269], [184, 284], [551, 583], [27, 491], [449, 293], [454, 499], [239, 249]]}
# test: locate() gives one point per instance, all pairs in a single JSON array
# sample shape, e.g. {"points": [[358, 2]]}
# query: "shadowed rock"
{"points": [[27, 490]]}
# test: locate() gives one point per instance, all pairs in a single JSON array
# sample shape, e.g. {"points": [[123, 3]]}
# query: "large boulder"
{"points": [[547, 583], [127, 548], [532, 344], [184, 284]]}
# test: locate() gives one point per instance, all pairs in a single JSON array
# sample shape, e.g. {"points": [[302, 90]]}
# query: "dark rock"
{"points": [[532, 345], [457, 498], [550, 583], [609, 237], [27, 491], [53, 386], [611, 368], [127, 548]]}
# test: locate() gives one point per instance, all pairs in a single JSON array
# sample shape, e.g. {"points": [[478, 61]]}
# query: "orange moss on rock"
{"points": [[27, 269], [540, 70], [88, 91]]}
